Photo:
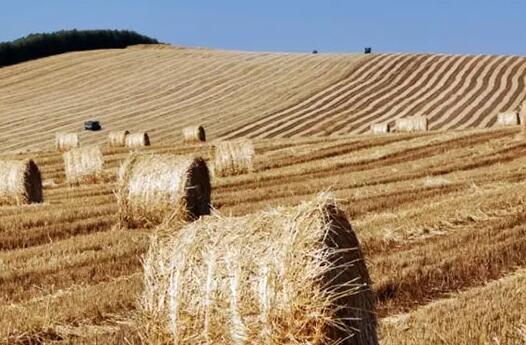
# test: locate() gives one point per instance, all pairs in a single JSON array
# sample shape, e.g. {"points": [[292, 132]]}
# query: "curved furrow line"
{"points": [[417, 67], [115, 89], [56, 125], [489, 98], [174, 107], [73, 77], [316, 99], [452, 84], [443, 82], [151, 72], [251, 101], [27, 72], [269, 81], [378, 75], [346, 95], [430, 69], [469, 93], [508, 100], [388, 111]]}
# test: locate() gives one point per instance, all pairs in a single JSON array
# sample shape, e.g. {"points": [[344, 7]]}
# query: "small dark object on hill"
{"points": [[368, 50], [315, 51], [92, 125]]}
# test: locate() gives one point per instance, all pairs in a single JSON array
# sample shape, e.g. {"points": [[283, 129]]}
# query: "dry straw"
{"points": [[117, 138], [66, 141], [380, 128], [509, 118], [412, 124], [137, 140], [83, 165], [154, 187], [288, 276], [20, 183], [233, 158], [194, 134]]}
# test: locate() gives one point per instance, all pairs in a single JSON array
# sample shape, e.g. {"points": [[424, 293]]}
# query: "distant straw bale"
{"points": [[20, 183], [288, 276], [137, 140], [194, 134], [66, 141], [153, 187], [117, 138], [83, 165], [380, 128], [412, 124], [508, 118], [233, 157]]}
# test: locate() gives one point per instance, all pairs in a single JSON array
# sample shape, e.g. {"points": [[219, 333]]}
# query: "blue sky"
{"points": [[462, 26]]}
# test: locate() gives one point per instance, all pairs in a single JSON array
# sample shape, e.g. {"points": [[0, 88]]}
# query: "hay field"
{"points": [[441, 217], [161, 89]]}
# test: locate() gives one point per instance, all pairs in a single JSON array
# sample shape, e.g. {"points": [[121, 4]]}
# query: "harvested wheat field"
{"points": [[440, 217], [162, 89]]}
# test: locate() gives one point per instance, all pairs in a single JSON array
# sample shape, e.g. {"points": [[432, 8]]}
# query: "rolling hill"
{"points": [[161, 89]]}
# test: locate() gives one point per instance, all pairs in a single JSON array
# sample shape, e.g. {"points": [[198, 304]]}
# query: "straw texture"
{"points": [[412, 124], [83, 165], [233, 158], [194, 134], [66, 141], [287, 276], [117, 138], [154, 187], [20, 183], [137, 140]]}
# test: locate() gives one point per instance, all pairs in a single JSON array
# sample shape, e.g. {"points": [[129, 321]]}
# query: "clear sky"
{"points": [[449, 26]]}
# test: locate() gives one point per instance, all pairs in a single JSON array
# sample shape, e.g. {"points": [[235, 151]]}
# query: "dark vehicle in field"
{"points": [[92, 125]]}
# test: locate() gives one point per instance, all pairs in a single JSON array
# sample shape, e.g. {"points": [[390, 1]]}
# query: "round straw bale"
{"points": [[288, 276], [83, 165], [194, 134], [137, 140], [20, 183], [66, 141], [117, 138], [154, 187], [233, 157]]}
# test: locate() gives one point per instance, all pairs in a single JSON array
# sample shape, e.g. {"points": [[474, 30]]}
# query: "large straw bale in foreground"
{"points": [[509, 118], [380, 128], [137, 140], [412, 124], [83, 165], [152, 187], [20, 183], [117, 138], [194, 134], [233, 158], [288, 276], [66, 141]]}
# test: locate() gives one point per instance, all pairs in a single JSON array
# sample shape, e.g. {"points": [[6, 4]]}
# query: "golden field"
{"points": [[440, 216]]}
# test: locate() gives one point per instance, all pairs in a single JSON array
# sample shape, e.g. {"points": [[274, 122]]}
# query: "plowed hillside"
{"points": [[441, 218], [238, 94]]}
